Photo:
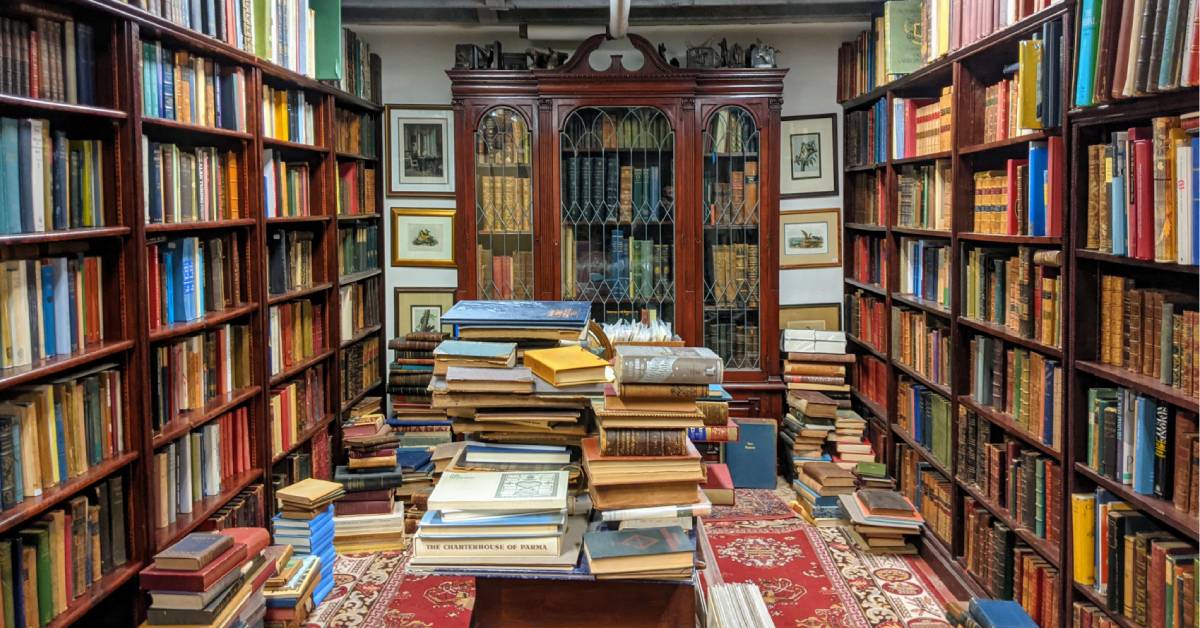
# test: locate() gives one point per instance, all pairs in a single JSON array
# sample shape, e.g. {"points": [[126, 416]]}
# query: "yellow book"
{"points": [[310, 491], [1029, 57], [281, 116], [231, 182], [571, 365], [1083, 525], [86, 174]]}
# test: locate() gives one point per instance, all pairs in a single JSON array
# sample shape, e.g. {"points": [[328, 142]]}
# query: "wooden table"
{"points": [[544, 602]]}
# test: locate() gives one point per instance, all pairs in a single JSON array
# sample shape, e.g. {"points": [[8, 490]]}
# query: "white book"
{"points": [[504, 490], [183, 467], [37, 174], [17, 304], [1183, 202]]}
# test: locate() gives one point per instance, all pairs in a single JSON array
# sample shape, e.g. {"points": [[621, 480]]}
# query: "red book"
{"points": [[718, 485], [1011, 193], [255, 539], [1143, 175], [244, 438], [1054, 183], [155, 579], [366, 496]]}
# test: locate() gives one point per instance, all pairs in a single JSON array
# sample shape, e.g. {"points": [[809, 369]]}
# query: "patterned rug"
{"points": [[812, 576], [373, 590], [752, 504]]}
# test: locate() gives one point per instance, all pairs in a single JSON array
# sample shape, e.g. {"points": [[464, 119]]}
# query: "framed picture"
{"points": [[809, 160], [422, 237], [819, 316], [420, 141], [810, 238], [421, 309]]}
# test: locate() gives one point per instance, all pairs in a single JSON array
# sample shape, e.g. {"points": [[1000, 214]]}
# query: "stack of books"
{"points": [[411, 368], [528, 324], [818, 486], [882, 520], [289, 591], [354, 534], [815, 360], [305, 521], [873, 475], [372, 470], [420, 425], [810, 421], [498, 521], [643, 553], [847, 440], [209, 578]]}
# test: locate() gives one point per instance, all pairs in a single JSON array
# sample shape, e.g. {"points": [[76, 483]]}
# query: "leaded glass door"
{"points": [[618, 212], [730, 215], [504, 267]]}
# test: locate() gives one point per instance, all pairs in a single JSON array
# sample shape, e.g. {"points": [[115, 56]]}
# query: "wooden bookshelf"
{"points": [[118, 122], [966, 70]]}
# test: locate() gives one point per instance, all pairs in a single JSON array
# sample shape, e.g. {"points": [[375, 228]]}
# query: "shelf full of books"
{"points": [[957, 297], [504, 205]]}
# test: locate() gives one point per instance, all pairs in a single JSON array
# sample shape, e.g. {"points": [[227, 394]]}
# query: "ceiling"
{"points": [[643, 12]]}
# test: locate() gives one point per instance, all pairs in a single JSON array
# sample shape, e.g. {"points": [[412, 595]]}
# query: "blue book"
{"points": [[1000, 614], [167, 93], [820, 501], [412, 457], [1117, 202], [172, 281], [1195, 201], [554, 314], [1085, 70], [25, 172], [49, 340], [10, 176], [1049, 401], [1170, 59], [433, 518], [58, 191], [62, 441], [19, 479], [751, 459], [186, 290], [1143, 454], [1037, 188]]}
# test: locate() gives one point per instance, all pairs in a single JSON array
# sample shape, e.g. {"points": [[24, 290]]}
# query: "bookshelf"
{"points": [[1070, 339], [135, 219], [898, 235]]}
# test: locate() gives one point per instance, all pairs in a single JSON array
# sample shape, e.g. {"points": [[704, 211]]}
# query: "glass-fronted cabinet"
{"points": [[730, 215], [504, 206], [617, 207]]}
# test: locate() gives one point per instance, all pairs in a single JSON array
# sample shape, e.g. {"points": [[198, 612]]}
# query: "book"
{"points": [[667, 365], [566, 366], [500, 491], [751, 459], [193, 551], [473, 379], [536, 314], [647, 549]]}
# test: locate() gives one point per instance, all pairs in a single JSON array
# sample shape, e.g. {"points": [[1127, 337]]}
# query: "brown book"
{"points": [[644, 495], [813, 403], [643, 442], [715, 412], [489, 380], [885, 503], [1121, 56], [639, 364], [661, 391], [823, 358], [828, 474], [827, 370], [1141, 568], [1110, 25]]}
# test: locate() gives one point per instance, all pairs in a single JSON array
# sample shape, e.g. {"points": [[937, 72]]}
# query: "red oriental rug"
{"points": [[750, 503], [373, 590]]}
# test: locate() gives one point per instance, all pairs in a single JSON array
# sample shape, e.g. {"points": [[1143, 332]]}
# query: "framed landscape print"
{"points": [[420, 151], [819, 316], [808, 156], [421, 309], [422, 237], [810, 238]]}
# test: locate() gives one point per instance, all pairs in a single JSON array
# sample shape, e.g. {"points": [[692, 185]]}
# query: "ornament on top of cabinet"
{"points": [[703, 57], [514, 61], [764, 56], [468, 57]]}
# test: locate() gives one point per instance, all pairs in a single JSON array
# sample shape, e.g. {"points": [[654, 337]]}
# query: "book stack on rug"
{"points": [[209, 578], [305, 521], [815, 360], [873, 475], [420, 426], [372, 471], [372, 532], [289, 592], [882, 521], [498, 521], [411, 368], [818, 486]]}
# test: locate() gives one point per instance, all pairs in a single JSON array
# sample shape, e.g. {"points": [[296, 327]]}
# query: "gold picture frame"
{"points": [[422, 237], [819, 316], [413, 303], [810, 238]]}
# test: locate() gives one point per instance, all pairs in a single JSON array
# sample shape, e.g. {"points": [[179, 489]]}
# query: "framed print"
{"points": [[421, 309], [809, 156], [422, 237], [819, 316], [810, 238], [420, 151]]}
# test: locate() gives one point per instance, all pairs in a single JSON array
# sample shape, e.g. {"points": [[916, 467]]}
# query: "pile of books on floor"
{"points": [[815, 360], [818, 486], [411, 368], [372, 471], [209, 578], [644, 474], [847, 440], [873, 475], [370, 532], [420, 426], [289, 592], [498, 521], [305, 521], [882, 521]]}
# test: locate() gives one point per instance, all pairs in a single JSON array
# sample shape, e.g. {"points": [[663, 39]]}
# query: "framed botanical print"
{"points": [[810, 238], [420, 151], [421, 309], [809, 156], [819, 316], [422, 237]]}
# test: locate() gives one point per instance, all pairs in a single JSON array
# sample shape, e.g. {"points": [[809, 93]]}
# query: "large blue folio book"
{"points": [[751, 458]]}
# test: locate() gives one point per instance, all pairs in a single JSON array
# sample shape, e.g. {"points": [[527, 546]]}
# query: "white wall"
{"points": [[415, 60]]}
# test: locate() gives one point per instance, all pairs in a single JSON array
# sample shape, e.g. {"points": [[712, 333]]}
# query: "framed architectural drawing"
{"points": [[808, 156], [420, 151]]}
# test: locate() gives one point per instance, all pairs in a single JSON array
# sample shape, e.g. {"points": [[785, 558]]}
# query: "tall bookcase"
{"points": [[873, 232], [874, 235], [125, 242]]}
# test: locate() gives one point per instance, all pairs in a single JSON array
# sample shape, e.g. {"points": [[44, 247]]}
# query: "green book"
{"points": [[870, 470], [263, 28], [39, 539], [327, 35], [902, 21]]}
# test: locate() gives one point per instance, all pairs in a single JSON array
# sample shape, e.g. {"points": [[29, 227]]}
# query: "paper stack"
{"points": [[209, 578], [499, 521], [883, 520], [305, 521]]}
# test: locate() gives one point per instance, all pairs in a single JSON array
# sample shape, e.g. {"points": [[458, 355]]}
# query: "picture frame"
{"points": [[422, 237], [413, 308], [810, 238], [819, 316], [420, 151], [808, 159]]}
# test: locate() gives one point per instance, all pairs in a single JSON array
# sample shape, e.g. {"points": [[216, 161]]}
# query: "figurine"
{"points": [[467, 57], [737, 57], [703, 57], [513, 61], [764, 56], [662, 52], [494, 61], [724, 55]]}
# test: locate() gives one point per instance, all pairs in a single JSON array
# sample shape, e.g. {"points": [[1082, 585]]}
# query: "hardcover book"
{"points": [[500, 491], [636, 364], [751, 458], [552, 314], [645, 549], [193, 551]]}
